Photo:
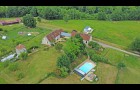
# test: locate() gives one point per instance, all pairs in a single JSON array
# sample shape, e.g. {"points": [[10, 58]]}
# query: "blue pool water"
{"points": [[86, 67]]}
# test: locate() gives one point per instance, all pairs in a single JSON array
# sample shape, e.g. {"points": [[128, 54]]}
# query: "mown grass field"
{"points": [[130, 73], [34, 68], [121, 33]]}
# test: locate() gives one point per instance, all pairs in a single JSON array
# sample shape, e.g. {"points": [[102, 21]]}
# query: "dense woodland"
{"points": [[114, 13]]}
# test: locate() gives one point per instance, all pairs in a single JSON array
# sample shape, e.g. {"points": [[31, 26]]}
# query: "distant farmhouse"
{"points": [[10, 22], [86, 37], [57, 34], [88, 29], [20, 48], [54, 36]]}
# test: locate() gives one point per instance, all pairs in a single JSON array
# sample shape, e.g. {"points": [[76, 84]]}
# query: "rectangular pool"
{"points": [[86, 67]]}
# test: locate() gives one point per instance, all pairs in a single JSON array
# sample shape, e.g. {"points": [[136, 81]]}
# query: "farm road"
{"points": [[112, 47]]}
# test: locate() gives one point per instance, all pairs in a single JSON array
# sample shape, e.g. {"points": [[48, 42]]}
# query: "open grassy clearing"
{"points": [[36, 66], [71, 79], [129, 74], [121, 33], [106, 73]]}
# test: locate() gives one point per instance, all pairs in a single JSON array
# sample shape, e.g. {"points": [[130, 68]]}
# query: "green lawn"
{"points": [[28, 41], [71, 79], [34, 68], [121, 33], [130, 74], [2, 81], [106, 73]]}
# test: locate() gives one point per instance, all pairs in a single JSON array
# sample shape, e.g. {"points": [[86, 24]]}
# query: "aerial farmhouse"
{"points": [[20, 48]]}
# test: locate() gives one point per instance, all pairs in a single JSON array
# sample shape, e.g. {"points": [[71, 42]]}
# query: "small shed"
{"points": [[20, 48], [29, 34], [88, 29]]}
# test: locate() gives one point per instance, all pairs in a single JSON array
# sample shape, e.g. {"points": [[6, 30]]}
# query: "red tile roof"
{"points": [[54, 34], [10, 22], [20, 46], [84, 36], [73, 33]]}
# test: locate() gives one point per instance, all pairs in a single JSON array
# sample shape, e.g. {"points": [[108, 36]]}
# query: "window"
{"points": [[86, 41]]}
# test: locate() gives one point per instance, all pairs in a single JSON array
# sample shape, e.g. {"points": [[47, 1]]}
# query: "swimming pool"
{"points": [[86, 67]]}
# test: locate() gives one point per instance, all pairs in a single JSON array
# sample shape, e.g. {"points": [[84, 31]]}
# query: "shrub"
{"points": [[58, 46], [38, 19], [95, 58], [121, 65], [105, 60], [18, 42], [135, 45], [94, 45], [64, 71], [1, 29], [5, 31], [20, 75], [23, 55], [13, 67]]}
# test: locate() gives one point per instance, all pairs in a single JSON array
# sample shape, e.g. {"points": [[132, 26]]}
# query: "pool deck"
{"points": [[90, 76]]}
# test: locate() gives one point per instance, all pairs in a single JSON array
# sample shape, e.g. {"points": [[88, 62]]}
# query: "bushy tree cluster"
{"points": [[115, 13], [135, 45]]}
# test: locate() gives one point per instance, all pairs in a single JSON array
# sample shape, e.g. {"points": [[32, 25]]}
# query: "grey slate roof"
{"points": [[65, 34]]}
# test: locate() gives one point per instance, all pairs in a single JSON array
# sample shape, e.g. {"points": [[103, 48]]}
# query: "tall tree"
{"points": [[135, 45], [29, 21], [34, 12], [63, 61], [101, 16], [66, 18]]}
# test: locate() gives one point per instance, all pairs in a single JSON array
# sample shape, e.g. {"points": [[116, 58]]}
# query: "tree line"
{"points": [[114, 13]]}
